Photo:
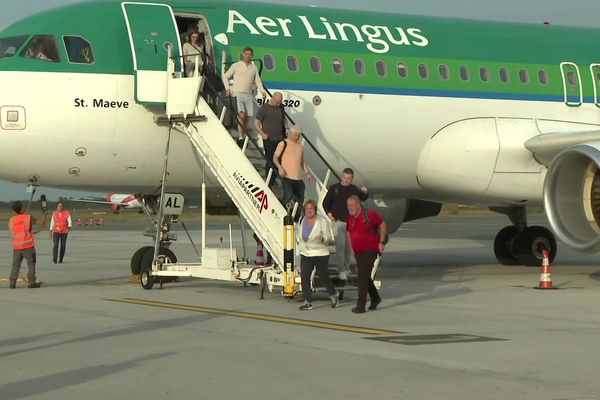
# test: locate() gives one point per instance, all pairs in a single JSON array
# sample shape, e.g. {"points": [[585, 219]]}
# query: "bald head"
{"points": [[277, 99]]}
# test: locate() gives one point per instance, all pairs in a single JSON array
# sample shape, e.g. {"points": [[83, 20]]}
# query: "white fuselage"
{"points": [[86, 131]]}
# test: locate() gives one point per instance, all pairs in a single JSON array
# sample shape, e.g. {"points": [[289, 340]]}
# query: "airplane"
{"points": [[117, 201], [426, 110]]}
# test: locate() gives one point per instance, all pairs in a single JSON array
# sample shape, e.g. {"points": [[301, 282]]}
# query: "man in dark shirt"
{"points": [[335, 205], [272, 125]]}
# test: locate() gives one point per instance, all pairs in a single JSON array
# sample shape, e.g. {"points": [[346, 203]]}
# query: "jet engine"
{"points": [[572, 196], [116, 209]]}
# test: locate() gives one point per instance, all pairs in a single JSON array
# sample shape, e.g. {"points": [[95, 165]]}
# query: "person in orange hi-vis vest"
{"points": [[21, 229], [59, 230]]}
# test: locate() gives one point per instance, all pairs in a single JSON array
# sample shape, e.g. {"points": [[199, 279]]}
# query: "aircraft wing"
{"points": [[546, 147], [93, 201]]}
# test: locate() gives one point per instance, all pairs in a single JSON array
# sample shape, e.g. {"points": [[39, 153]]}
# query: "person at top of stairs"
{"points": [[244, 74]]}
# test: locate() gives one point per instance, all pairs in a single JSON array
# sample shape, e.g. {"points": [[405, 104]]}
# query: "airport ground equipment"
{"points": [[188, 113], [546, 273]]}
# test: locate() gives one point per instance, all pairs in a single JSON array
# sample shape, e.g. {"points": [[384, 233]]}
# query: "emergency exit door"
{"points": [[152, 28], [573, 90]]}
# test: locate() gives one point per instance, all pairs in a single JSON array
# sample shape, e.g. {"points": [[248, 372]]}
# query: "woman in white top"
{"points": [[313, 236], [193, 50]]}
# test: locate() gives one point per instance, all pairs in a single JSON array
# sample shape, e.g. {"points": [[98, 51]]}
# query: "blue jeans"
{"points": [[293, 190]]}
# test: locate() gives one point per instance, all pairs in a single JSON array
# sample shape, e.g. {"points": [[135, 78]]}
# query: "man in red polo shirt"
{"points": [[367, 236]]}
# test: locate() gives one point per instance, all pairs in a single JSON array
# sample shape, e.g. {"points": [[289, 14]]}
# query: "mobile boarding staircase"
{"points": [[187, 112]]}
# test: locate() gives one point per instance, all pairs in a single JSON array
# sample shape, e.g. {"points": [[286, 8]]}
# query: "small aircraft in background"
{"points": [[117, 201]]}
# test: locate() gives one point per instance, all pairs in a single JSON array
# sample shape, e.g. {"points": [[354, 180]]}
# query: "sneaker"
{"points": [[34, 285], [374, 304], [306, 306], [335, 300], [357, 310]]}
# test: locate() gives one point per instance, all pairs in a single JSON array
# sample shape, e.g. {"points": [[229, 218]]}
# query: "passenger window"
{"points": [[9, 46], [444, 72], [315, 64], [543, 77], [524, 76], [465, 74], [381, 68], [504, 75], [359, 67], [338, 66], [402, 70], [424, 71], [572, 78], [292, 64], [79, 50], [269, 62], [484, 74], [42, 47]]}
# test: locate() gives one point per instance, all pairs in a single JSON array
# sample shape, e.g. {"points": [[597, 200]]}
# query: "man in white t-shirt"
{"points": [[244, 74]]}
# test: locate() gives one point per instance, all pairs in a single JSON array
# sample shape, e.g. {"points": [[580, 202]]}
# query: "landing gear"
{"points": [[136, 260], [531, 243], [504, 246], [520, 244]]}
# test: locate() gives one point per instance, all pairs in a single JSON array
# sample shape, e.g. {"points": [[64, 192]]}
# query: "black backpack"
{"points": [[386, 239]]}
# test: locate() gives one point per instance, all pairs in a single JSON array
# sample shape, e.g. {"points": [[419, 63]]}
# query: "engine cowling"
{"points": [[116, 209], [572, 196]]}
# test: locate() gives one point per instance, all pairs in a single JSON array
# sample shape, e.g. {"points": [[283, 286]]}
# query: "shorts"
{"points": [[245, 103]]}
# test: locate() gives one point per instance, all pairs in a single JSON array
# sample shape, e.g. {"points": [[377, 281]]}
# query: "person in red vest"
{"points": [[59, 230], [21, 229], [367, 233]]}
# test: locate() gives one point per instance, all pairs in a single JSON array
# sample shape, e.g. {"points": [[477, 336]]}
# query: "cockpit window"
{"points": [[42, 47], [9, 46], [79, 50]]}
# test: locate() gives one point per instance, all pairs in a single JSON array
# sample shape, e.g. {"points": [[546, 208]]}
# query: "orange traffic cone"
{"points": [[101, 221], [260, 259], [546, 275], [78, 221]]}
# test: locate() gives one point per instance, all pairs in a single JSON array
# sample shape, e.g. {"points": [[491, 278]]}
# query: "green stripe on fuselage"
{"points": [[370, 37]]}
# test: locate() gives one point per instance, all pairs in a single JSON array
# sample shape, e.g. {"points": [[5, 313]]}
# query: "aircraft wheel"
{"points": [[136, 260], [531, 242], [504, 246]]}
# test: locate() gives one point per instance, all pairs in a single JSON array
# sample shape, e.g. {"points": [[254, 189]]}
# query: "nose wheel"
{"points": [[514, 247]]}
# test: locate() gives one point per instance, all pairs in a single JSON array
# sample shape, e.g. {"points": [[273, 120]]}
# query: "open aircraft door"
{"points": [[151, 28]]}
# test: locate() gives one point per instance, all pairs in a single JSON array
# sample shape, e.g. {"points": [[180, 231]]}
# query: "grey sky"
{"points": [[572, 12]]}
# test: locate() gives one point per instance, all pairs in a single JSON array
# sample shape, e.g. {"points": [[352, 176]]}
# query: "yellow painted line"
{"points": [[259, 317], [21, 279]]}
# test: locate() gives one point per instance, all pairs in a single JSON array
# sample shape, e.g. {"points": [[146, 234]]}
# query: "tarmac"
{"points": [[454, 324]]}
